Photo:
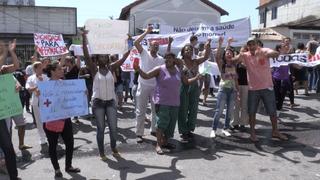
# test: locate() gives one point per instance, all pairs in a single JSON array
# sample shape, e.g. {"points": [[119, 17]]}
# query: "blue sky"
{"points": [[87, 9]]}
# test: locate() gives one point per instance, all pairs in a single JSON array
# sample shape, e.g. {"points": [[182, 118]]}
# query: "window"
{"points": [[262, 17], [274, 13]]}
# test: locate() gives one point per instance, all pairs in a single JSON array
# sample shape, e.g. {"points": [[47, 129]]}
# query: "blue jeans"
{"points": [[225, 96], [102, 109]]}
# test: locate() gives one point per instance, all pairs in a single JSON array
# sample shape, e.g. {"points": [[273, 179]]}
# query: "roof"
{"points": [[126, 10], [266, 4]]}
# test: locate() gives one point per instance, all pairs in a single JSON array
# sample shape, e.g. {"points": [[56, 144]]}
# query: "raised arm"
{"points": [[219, 54], [119, 62], [187, 80], [63, 60], [272, 53], [15, 62], [3, 53], [93, 68], [151, 74], [137, 42], [169, 45], [207, 46], [78, 62]]}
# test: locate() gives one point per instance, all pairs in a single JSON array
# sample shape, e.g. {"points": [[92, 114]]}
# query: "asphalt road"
{"points": [[222, 158]]}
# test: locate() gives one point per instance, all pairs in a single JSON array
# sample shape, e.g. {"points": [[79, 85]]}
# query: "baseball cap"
{"points": [[251, 39]]}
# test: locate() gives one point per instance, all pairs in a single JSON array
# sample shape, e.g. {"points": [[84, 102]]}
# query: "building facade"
{"points": [[22, 21], [297, 19], [141, 13]]}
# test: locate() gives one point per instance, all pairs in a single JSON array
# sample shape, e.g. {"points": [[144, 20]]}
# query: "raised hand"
{"points": [[149, 29], [136, 64], [12, 45], [220, 40], [207, 45], [170, 39]]}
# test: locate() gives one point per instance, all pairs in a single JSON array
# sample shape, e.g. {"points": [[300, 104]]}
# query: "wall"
{"points": [[31, 19], [176, 12], [288, 12]]}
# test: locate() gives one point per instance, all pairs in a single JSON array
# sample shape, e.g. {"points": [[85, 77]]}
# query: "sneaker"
{"points": [[213, 134], [139, 139], [72, 170], [57, 173], [226, 132]]}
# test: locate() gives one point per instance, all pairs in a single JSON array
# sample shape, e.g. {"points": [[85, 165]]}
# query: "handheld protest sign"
{"points": [[50, 44], [10, 104]]}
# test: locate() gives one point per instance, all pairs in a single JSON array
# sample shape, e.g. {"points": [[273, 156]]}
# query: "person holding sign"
{"points": [[103, 96], [5, 138], [149, 60], [61, 127], [260, 85], [228, 87], [32, 87], [190, 91]]}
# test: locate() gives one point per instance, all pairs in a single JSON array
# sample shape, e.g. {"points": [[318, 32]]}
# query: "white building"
{"points": [[297, 19], [140, 13]]}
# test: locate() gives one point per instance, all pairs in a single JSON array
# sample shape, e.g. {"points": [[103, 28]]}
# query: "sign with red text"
{"points": [[128, 63], [107, 36], [50, 44]]}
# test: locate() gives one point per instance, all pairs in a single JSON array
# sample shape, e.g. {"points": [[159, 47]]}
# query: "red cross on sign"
{"points": [[47, 103]]}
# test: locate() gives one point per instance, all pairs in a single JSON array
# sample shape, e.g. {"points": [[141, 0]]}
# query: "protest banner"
{"points": [[62, 99], [77, 49], [302, 59], [10, 104], [239, 29], [50, 44], [107, 36], [209, 68], [128, 63]]}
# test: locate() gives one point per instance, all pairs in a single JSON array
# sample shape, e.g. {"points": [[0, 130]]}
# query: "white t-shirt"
{"points": [[32, 82], [29, 70], [148, 63]]}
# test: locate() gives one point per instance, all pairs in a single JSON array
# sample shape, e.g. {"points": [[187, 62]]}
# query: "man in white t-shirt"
{"points": [[149, 60]]}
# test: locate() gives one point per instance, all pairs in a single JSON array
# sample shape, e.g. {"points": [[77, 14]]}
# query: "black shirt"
{"points": [[242, 75]]}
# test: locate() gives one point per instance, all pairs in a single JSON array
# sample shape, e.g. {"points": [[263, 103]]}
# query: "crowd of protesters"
{"points": [[171, 84]]}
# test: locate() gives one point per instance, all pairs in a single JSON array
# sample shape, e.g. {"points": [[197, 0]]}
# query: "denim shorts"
{"points": [[268, 99]]}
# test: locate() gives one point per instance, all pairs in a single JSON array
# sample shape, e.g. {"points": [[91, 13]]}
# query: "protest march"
{"points": [[163, 75]]}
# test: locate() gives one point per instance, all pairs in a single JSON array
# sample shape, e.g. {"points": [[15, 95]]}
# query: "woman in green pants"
{"points": [[189, 92]]}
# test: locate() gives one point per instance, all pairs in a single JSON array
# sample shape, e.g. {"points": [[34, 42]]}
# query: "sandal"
{"points": [[24, 147], [159, 150], [116, 153], [280, 136], [103, 158]]}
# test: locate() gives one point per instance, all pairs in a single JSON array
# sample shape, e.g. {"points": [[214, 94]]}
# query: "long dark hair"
{"points": [[52, 67], [224, 61], [184, 47]]}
